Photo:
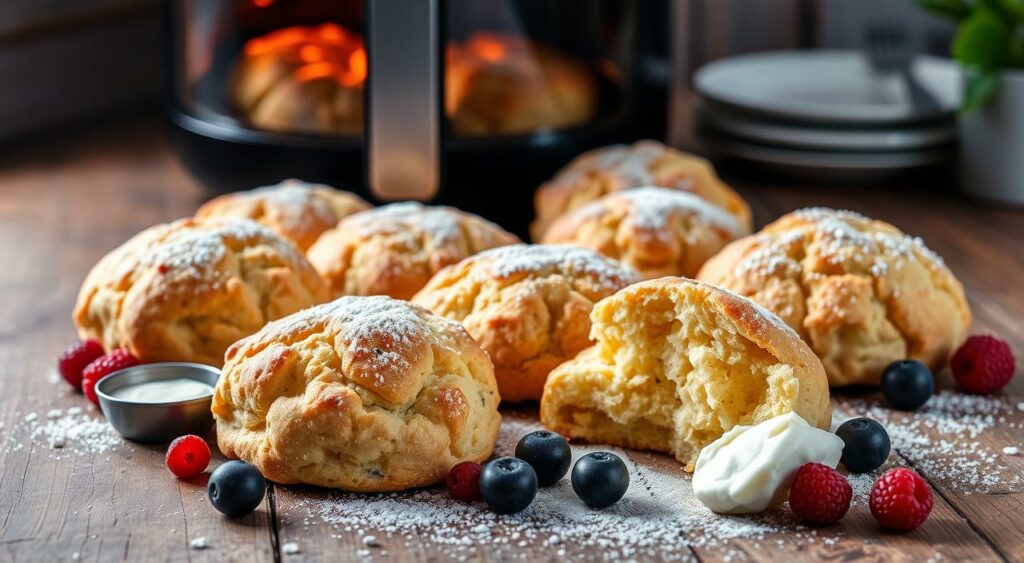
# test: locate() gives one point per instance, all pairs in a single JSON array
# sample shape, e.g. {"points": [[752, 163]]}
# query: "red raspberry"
{"points": [[103, 366], [983, 364], [900, 499], [464, 481], [819, 495], [187, 456], [75, 358]]}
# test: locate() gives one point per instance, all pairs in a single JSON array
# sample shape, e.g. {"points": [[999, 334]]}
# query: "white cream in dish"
{"points": [[750, 468], [164, 391]]}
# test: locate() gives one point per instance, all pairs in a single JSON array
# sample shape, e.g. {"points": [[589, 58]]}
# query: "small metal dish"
{"points": [[157, 422]]}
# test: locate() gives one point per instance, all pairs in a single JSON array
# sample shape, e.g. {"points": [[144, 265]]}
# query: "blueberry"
{"points": [[236, 488], [866, 444], [907, 384], [508, 485], [548, 453], [600, 479]]}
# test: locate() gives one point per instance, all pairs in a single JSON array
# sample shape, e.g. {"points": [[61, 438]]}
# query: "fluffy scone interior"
{"points": [[363, 394], [677, 363]]}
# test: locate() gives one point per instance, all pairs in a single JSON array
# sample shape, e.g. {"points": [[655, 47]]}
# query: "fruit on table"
{"points": [[907, 384], [820, 495], [464, 481], [508, 485], [75, 358], [548, 453], [103, 366], [983, 364], [236, 488], [600, 479], [900, 499], [187, 456], [866, 446]]}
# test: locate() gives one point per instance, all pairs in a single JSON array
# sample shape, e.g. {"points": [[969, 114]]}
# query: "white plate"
{"points": [[826, 87], [784, 134]]}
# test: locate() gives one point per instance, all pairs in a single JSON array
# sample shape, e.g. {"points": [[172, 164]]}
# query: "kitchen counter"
{"points": [[64, 204]]}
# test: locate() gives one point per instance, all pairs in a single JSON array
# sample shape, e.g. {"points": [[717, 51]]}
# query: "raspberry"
{"points": [[187, 456], [900, 499], [75, 358], [983, 364], [464, 481], [819, 495], [103, 366]]}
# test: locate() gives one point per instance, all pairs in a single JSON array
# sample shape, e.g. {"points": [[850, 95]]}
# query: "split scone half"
{"points": [[861, 292], [678, 363], [363, 394]]}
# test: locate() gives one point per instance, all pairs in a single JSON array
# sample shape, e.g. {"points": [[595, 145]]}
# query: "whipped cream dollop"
{"points": [[750, 468]]}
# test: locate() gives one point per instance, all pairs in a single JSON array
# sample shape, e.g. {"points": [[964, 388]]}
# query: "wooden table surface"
{"points": [[63, 205]]}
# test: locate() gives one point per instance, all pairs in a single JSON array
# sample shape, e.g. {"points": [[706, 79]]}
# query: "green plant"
{"points": [[990, 37]]}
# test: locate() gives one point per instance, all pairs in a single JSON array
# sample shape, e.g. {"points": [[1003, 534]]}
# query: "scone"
{"points": [[658, 231], [860, 292], [678, 363], [296, 210], [184, 291], [527, 305], [501, 84], [362, 393], [623, 167], [395, 249]]}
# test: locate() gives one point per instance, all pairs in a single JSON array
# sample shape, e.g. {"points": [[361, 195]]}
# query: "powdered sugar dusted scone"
{"points": [[678, 363], [528, 306], [395, 249], [186, 290], [658, 231], [362, 393], [623, 167], [860, 292], [298, 211]]}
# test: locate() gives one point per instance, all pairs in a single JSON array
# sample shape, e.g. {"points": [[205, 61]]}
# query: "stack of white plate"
{"points": [[827, 113]]}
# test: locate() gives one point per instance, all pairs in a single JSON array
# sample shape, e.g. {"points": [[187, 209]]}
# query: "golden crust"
{"points": [[395, 249], [860, 292], [528, 306], [658, 231], [363, 394], [296, 210], [186, 290], [623, 167], [677, 363]]}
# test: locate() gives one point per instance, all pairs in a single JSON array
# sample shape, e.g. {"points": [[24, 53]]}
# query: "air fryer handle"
{"points": [[403, 127]]}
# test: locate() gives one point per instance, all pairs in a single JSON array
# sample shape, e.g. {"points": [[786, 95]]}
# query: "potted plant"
{"points": [[989, 46]]}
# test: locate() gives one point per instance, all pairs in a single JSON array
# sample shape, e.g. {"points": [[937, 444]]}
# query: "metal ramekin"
{"points": [[157, 422]]}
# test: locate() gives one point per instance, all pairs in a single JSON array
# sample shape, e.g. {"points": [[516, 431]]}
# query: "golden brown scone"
{"points": [[527, 305], [184, 291], [296, 210], [362, 393], [658, 231], [501, 84], [860, 292], [395, 249], [678, 363], [623, 167]]}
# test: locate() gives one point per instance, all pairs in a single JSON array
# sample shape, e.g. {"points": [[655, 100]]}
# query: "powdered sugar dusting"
{"points": [[508, 261], [658, 517], [630, 164], [71, 432], [295, 201], [440, 224], [651, 208]]}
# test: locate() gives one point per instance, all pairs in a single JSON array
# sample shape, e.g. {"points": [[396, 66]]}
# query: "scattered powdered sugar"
{"points": [[652, 207], [199, 543], [73, 431], [543, 259], [291, 548], [658, 517], [630, 164], [941, 439], [441, 224], [294, 201]]}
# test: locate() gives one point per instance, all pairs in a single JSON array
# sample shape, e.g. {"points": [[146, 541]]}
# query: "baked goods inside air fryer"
{"points": [[528, 306], [362, 393], [861, 293], [184, 291], [677, 363]]}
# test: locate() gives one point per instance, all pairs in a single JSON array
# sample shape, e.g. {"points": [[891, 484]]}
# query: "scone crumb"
{"points": [[199, 543]]}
